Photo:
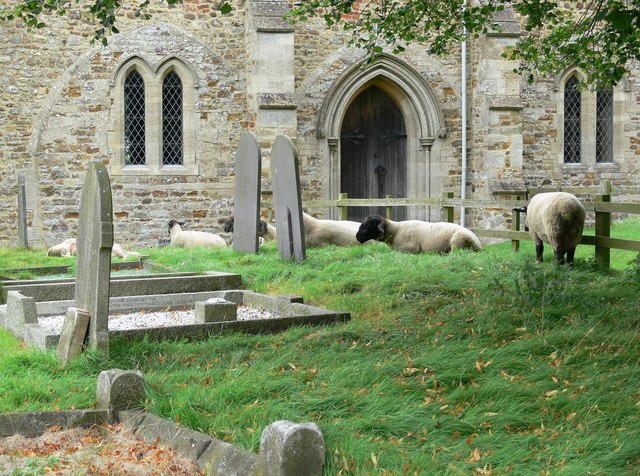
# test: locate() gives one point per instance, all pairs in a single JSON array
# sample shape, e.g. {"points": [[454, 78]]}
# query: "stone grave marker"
{"points": [[246, 206], [286, 196], [95, 240]]}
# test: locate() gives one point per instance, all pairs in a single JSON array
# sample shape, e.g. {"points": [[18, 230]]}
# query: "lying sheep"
{"points": [[190, 239], [69, 248], [266, 231], [556, 218], [329, 232], [417, 236]]}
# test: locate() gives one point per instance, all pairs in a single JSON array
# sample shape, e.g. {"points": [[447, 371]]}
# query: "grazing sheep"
{"points": [[69, 248], [266, 231], [417, 236], [329, 232], [189, 239], [556, 218]]}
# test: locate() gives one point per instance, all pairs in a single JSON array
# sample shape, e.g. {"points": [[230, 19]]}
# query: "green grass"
{"points": [[468, 363]]}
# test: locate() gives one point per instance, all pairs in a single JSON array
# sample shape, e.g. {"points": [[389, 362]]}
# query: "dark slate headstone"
{"points": [[286, 197], [95, 240], [246, 207]]}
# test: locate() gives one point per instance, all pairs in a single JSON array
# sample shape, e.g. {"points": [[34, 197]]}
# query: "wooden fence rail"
{"points": [[601, 206]]}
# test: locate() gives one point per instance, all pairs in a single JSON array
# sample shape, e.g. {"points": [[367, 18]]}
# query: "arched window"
{"points": [[154, 118], [134, 120], [604, 126], [572, 121], [172, 120]]}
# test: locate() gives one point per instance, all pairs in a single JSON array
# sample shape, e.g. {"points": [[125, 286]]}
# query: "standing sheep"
{"points": [[190, 239], [556, 218], [417, 236]]}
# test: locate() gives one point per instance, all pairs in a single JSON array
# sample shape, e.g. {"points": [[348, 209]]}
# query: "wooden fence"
{"points": [[601, 205]]}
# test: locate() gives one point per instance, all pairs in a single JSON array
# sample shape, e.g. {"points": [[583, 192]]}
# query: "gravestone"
{"points": [[246, 206], [22, 211], [286, 197], [94, 242]]}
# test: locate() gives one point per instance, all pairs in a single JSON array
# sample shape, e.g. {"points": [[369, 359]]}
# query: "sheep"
{"points": [[189, 239], [266, 231], [556, 218], [317, 232], [329, 232], [66, 248], [417, 236], [69, 248]]}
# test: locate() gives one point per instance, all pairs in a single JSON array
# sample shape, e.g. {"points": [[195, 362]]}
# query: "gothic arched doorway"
{"points": [[373, 156]]}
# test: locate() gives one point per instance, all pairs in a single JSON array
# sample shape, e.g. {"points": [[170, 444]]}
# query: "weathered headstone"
{"points": [[118, 390], [22, 211], [94, 242], [246, 206], [286, 195], [73, 334], [291, 449]]}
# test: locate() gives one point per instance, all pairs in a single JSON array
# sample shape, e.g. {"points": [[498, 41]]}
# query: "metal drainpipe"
{"points": [[463, 185]]}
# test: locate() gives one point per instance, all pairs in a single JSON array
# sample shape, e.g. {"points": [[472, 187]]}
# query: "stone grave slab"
{"points": [[95, 240], [246, 205], [287, 200]]}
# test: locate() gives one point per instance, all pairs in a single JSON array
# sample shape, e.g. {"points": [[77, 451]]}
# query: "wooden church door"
{"points": [[373, 142]]}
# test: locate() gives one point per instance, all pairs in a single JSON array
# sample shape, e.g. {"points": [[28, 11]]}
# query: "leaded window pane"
{"points": [[604, 126], [572, 112], [134, 120], [172, 147]]}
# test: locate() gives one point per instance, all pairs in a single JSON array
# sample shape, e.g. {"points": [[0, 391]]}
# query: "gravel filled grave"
{"points": [[150, 319]]}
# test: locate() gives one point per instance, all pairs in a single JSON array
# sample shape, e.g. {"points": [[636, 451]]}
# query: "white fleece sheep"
{"points": [[189, 239], [69, 248], [417, 236], [556, 218], [329, 232]]}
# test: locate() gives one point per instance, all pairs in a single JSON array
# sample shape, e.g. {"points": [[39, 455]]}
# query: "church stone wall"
{"points": [[57, 113]]}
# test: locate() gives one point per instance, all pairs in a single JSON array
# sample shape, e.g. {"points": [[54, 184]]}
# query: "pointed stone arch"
{"points": [[423, 116]]}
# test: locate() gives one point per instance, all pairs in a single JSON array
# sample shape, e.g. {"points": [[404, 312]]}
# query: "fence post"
{"points": [[603, 228], [343, 209], [389, 209], [515, 225], [448, 211]]}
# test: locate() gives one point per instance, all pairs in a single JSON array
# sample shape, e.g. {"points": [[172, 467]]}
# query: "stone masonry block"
{"points": [[73, 334], [215, 310]]}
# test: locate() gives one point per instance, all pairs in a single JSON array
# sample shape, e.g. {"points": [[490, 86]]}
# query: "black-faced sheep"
{"points": [[417, 236], [556, 218], [190, 239], [329, 232], [266, 231]]}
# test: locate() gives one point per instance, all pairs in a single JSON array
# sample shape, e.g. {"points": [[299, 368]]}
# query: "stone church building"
{"points": [[164, 104]]}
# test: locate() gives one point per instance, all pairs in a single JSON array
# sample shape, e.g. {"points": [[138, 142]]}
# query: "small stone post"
{"points": [[290, 449], [119, 390]]}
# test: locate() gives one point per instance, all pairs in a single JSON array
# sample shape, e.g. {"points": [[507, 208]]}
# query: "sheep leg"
{"points": [[539, 248], [570, 253], [559, 252]]}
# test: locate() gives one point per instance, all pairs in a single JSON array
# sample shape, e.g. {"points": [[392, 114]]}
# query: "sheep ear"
{"points": [[521, 209], [381, 226], [181, 223]]}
